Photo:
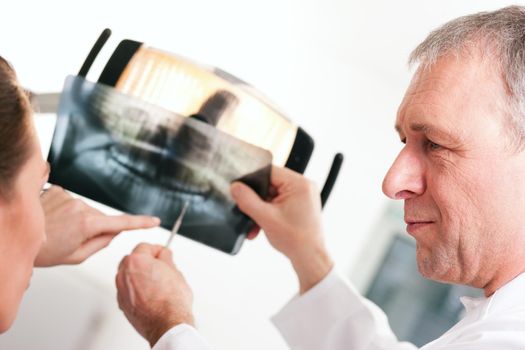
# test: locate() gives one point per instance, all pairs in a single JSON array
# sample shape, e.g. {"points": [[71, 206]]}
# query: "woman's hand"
{"points": [[75, 231]]}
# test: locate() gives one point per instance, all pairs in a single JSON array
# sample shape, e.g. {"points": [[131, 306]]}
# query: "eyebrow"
{"points": [[429, 130]]}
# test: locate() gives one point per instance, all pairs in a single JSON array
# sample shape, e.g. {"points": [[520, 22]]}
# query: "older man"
{"points": [[461, 174]]}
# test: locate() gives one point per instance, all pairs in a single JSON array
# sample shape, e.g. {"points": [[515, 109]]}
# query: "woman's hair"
{"points": [[15, 135]]}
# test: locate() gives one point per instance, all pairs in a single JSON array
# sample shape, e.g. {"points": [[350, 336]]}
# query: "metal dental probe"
{"points": [[177, 224]]}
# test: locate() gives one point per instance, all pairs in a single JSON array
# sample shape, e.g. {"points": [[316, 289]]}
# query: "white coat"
{"points": [[334, 316]]}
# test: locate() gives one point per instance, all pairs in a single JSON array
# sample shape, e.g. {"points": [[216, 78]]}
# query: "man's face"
{"points": [[462, 183]]}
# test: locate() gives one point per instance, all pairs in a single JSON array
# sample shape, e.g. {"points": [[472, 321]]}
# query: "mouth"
{"points": [[413, 226]]}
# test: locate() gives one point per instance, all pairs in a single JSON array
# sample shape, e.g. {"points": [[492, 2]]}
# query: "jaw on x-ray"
{"points": [[143, 159]]}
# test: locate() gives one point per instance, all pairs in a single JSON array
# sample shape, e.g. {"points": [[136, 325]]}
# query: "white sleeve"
{"points": [[181, 337], [333, 315]]}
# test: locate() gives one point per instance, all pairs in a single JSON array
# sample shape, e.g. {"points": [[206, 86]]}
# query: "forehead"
{"points": [[456, 92]]}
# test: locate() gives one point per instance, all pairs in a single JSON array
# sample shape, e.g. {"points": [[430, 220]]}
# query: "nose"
{"points": [[406, 177]]}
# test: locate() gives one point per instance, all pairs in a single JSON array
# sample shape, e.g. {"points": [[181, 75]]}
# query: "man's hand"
{"points": [[292, 222], [75, 231], [152, 293]]}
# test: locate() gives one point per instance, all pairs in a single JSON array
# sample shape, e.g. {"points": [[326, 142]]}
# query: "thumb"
{"points": [[166, 256], [250, 203]]}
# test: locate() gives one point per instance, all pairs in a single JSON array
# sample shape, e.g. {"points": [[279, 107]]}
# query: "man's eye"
{"points": [[432, 145]]}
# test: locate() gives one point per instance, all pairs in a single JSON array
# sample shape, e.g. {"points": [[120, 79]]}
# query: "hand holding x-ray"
{"points": [[159, 130], [291, 221], [143, 159]]}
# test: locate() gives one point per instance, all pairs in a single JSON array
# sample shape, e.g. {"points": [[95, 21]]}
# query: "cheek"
{"points": [[30, 230], [20, 241], [500, 199], [35, 226], [455, 191], [469, 196]]}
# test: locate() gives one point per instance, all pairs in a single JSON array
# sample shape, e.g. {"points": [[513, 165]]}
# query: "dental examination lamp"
{"points": [[196, 94]]}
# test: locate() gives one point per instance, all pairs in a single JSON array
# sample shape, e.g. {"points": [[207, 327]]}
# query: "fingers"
{"points": [[51, 192], [54, 197], [272, 192], [105, 224], [166, 256], [281, 176], [125, 291], [250, 203], [254, 232], [156, 251], [90, 247], [121, 290], [123, 262], [148, 249]]}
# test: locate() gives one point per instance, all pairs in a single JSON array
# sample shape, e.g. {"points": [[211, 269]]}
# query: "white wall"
{"points": [[337, 67]]}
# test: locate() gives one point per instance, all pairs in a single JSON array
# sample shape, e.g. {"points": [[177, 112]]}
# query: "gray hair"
{"points": [[501, 35]]}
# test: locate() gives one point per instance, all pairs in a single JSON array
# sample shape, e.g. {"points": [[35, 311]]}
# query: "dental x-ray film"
{"points": [[219, 98], [143, 159], [193, 89]]}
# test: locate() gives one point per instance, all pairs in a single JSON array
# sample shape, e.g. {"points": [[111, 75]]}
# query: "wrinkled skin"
{"points": [[460, 174]]}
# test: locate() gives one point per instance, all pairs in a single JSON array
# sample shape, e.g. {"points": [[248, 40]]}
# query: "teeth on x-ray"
{"points": [[210, 95], [141, 158]]}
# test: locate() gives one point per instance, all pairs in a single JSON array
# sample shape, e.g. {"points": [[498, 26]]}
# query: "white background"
{"points": [[338, 68]]}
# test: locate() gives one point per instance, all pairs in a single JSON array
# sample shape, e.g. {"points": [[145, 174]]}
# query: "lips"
{"points": [[415, 225]]}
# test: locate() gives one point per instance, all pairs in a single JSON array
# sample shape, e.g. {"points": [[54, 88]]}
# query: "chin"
{"points": [[428, 267], [435, 270], [424, 269]]}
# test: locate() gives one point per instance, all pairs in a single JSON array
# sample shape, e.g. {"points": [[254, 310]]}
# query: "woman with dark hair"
{"points": [[39, 228]]}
